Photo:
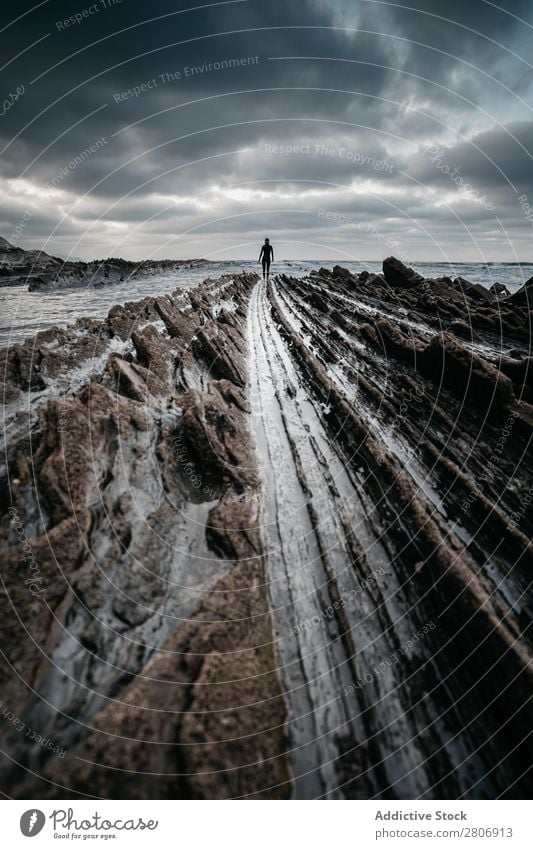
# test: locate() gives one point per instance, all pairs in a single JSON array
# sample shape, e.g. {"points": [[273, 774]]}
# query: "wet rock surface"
{"points": [[403, 595], [136, 624], [272, 541]]}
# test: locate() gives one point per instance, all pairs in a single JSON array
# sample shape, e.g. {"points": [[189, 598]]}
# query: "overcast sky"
{"points": [[341, 129]]}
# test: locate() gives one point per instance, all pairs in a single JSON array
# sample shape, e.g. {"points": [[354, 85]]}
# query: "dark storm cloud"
{"points": [[496, 158], [174, 138], [443, 39]]}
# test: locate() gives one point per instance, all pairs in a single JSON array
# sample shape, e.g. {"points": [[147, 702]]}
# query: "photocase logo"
{"points": [[32, 822]]}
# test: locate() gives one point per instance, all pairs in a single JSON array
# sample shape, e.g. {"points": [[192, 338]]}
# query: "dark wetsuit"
{"points": [[266, 256]]}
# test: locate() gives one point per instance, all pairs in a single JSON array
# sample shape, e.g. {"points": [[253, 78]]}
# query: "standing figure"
{"points": [[266, 257]]}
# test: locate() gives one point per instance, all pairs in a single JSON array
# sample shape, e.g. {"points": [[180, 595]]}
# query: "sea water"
{"points": [[24, 313]]}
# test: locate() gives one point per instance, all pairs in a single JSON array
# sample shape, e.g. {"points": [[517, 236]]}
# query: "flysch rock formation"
{"points": [[17, 265], [41, 272], [271, 541], [143, 606]]}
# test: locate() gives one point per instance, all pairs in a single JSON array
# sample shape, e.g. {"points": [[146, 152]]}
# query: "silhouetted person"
{"points": [[266, 257]]}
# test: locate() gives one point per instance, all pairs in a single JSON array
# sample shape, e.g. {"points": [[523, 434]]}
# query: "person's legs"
{"points": [[265, 262], [268, 268]]}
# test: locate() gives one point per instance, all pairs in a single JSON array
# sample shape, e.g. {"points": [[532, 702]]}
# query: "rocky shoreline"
{"points": [[272, 541], [41, 272]]}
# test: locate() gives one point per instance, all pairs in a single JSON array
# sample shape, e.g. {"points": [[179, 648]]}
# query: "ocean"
{"points": [[24, 313]]}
